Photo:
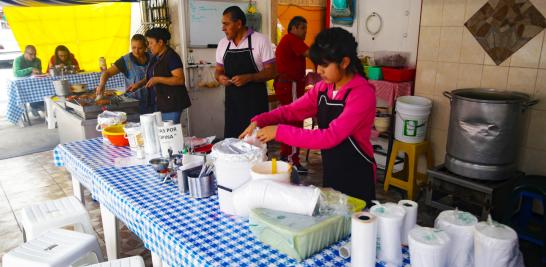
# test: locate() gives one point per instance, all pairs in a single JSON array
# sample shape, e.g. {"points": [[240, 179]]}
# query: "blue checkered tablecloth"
{"points": [[30, 89], [191, 232], [82, 158]]}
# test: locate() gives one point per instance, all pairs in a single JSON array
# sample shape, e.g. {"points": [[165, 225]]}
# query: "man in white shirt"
{"points": [[244, 62]]}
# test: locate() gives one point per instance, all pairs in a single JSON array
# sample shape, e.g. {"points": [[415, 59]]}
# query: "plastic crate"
{"points": [[398, 75], [374, 73]]}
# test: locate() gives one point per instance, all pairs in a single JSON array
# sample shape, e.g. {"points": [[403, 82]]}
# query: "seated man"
{"points": [[26, 65]]}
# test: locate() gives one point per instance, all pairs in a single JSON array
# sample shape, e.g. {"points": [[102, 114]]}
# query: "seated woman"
{"points": [[165, 76], [133, 66], [62, 58]]}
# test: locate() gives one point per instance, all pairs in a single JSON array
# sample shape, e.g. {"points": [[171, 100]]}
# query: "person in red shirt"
{"points": [[63, 58], [290, 55]]}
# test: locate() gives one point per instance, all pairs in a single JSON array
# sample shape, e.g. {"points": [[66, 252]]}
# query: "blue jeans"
{"points": [[171, 116], [37, 105]]}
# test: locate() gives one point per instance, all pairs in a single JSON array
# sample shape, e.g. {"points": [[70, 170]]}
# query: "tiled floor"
{"points": [[34, 178]]}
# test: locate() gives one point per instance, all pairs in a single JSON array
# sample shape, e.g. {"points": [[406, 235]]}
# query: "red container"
{"points": [[398, 75]]}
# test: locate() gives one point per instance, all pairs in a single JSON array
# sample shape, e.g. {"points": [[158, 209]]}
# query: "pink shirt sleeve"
{"points": [[359, 112], [303, 108]]}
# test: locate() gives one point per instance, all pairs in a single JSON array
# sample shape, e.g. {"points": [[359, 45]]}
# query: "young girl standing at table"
{"points": [[344, 104]]}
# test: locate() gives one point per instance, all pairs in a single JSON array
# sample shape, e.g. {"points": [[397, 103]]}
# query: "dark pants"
{"points": [[37, 105]]}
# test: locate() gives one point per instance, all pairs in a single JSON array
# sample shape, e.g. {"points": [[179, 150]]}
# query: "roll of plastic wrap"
{"points": [[275, 195], [390, 218], [410, 220], [428, 247], [363, 239], [149, 132], [459, 225], [496, 245]]}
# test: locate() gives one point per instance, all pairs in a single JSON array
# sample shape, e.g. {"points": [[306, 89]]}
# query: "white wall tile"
{"points": [[531, 161], [536, 136], [453, 13], [494, 77], [446, 77], [425, 79], [450, 44], [431, 13], [540, 91], [528, 56], [429, 43], [522, 80], [472, 6], [470, 76]]}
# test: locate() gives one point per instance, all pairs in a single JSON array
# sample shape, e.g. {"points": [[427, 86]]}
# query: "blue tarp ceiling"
{"points": [[55, 2]]}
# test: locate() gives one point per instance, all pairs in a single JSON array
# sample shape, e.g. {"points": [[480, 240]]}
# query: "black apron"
{"points": [[346, 167], [247, 101]]}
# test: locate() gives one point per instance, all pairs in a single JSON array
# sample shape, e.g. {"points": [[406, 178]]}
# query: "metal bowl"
{"points": [[159, 164]]}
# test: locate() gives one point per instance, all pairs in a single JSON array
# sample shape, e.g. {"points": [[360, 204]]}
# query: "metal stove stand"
{"points": [[446, 191]]}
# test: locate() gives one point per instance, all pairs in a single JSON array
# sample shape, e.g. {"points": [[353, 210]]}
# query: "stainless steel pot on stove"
{"points": [[485, 128]]}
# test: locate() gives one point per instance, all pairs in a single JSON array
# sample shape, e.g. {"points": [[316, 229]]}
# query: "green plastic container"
{"points": [[374, 73]]}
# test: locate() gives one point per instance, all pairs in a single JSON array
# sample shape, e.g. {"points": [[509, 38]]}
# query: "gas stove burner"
{"points": [[447, 191]]}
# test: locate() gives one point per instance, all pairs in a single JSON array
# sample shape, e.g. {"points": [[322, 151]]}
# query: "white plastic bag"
{"points": [[275, 195]]}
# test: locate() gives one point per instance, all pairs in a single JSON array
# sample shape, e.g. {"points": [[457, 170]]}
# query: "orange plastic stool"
{"points": [[408, 179]]}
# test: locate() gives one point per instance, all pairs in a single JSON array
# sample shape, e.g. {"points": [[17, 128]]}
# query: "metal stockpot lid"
{"points": [[492, 96]]}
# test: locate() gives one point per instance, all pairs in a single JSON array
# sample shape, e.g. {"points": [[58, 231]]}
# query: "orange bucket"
{"points": [[116, 135]]}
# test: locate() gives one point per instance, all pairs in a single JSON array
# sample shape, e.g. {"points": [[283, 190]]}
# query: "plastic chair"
{"points": [[38, 218], [135, 261], [408, 179], [55, 248], [519, 213]]}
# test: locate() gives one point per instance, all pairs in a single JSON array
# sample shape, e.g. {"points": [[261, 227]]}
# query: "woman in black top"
{"points": [[165, 76]]}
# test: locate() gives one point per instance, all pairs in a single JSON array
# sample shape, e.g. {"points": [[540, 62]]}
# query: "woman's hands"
{"points": [[249, 130], [152, 81], [265, 134]]}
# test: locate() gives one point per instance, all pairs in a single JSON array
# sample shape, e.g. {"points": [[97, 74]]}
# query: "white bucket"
{"points": [[263, 170], [233, 159], [411, 118]]}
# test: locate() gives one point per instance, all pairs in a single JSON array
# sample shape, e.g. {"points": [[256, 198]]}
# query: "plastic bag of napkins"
{"points": [[298, 236]]}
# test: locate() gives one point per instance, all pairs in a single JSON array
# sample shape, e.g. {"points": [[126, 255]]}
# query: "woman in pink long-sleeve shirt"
{"points": [[344, 104]]}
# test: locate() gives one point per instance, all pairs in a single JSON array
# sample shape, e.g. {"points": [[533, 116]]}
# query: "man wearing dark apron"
{"points": [[243, 70], [346, 166], [246, 101]]}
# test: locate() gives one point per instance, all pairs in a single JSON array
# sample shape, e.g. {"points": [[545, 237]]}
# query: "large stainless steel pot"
{"points": [[485, 132]]}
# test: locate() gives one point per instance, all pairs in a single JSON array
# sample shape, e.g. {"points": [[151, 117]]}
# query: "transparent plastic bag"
{"points": [[207, 78], [332, 202]]}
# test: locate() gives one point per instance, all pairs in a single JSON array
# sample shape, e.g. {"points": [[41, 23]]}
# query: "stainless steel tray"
{"points": [[127, 105]]}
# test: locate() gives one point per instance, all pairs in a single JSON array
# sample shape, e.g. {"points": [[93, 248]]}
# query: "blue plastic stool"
{"points": [[530, 227]]}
